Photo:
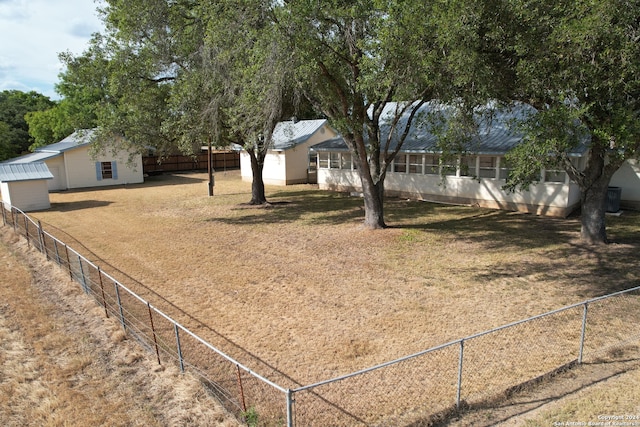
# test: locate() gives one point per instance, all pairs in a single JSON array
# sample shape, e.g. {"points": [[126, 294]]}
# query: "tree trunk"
{"points": [[593, 207], [258, 196], [373, 204]]}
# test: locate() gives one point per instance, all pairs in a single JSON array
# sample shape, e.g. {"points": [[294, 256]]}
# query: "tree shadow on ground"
{"points": [[530, 398], [592, 269], [78, 205], [317, 207]]}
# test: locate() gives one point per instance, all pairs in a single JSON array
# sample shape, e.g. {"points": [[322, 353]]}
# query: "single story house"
{"points": [[287, 162], [420, 171], [72, 165], [24, 186]]}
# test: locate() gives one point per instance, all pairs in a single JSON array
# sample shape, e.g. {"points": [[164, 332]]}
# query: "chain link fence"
{"points": [[415, 390]]}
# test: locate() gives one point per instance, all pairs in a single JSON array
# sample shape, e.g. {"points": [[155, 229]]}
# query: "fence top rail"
{"points": [[376, 367], [462, 340]]}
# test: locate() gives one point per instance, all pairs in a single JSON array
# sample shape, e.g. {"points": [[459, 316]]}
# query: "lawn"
{"points": [[302, 287]]}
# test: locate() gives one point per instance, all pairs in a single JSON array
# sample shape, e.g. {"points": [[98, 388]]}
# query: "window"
{"points": [[346, 161], [449, 167], [415, 163], [431, 164], [554, 176], [400, 163], [106, 170], [488, 167], [503, 168], [313, 162], [334, 160], [323, 160], [468, 166]]}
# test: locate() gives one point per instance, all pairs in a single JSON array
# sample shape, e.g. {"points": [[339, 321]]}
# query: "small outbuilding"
{"points": [[288, 161], [24, 186], [72, 164]]}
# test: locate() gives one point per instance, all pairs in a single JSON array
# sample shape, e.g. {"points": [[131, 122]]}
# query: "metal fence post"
{"points": [[43, 247], [153, 330], [460, 365], [124, 325], [83, 280], [583, 333], [55, 248], [244, 405], [66, 249], [104, 300], [4, 215], [26, 231], [289, 408], [180, 359]]}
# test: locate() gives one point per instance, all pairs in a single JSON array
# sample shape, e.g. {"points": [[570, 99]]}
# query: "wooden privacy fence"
{"points": [[220, 161], [413, 390]]}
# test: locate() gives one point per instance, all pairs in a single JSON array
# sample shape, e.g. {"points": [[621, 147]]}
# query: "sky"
{"points": [[34, 32]]}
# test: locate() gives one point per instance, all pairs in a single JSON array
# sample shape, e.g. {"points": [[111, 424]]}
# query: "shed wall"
{"points": [[26, 195]]}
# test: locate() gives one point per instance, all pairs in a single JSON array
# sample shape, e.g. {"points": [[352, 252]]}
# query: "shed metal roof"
{"points": [[24, 172], [290, 133], [76, 139]]}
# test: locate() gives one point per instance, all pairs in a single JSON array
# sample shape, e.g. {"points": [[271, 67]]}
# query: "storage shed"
{"points": [[287, 162], [24, 186]]}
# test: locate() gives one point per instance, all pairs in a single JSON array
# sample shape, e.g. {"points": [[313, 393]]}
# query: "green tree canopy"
{"points": [[14, 106], [578, 64], [353, 60]]}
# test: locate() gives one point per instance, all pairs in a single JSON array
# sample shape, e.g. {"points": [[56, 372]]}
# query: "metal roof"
{"points": [[76, 139], [496, 133], [24, 172], [32, 157], [290, 133]]}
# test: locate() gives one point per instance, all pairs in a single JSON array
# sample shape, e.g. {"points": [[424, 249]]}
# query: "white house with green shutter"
{"points": [[72, 165]]}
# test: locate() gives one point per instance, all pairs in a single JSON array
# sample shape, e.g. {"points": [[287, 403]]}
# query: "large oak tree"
{"points": [[579, 65], [358, 60]]}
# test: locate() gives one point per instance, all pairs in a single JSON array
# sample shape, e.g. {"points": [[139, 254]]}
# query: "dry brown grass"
{"points": [[301, 285], [63, 364], [306, 289]]}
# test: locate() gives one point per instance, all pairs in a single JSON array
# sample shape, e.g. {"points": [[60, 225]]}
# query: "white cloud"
{"points": [[34, 32]]}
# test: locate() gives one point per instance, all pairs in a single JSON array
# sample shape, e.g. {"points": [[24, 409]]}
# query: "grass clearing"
{"points": [[301, 285]]}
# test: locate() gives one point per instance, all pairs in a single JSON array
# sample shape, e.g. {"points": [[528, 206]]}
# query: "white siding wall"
{"points": [[289, 166], [26, 195], [628, 179], [59, 172], [551, 198], [81, 169]]}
